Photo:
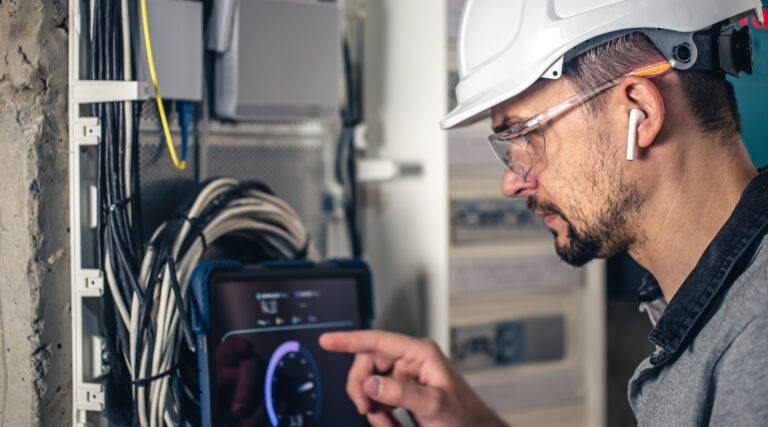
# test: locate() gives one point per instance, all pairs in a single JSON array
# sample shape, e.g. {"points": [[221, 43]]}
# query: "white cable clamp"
{"points": [[87, 131], [90, 283]]}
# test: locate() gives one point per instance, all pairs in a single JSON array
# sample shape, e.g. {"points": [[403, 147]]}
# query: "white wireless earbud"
{"points": [[635, 118]]}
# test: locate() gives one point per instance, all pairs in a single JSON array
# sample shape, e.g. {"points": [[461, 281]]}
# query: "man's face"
{"points": [[578, 186]]}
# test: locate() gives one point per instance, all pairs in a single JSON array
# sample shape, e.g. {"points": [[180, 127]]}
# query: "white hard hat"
{"points": [[505, 46]]}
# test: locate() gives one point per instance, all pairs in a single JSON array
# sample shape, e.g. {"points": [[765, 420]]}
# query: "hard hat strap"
{"points": [[719, 48]]}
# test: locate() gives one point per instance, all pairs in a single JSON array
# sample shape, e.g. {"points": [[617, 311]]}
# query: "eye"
{"points": [[520, 140]]}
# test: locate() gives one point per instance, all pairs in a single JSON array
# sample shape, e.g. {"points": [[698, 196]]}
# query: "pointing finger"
{"points": [[381, 343]]}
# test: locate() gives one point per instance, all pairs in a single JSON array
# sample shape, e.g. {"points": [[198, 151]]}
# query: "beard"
{"points": [[603, 235], [580, 247]]}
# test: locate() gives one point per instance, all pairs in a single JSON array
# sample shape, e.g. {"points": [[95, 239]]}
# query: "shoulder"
{"points": [[750, 344], [748, 296], [740, 378], [743, 322], [740, 312]]}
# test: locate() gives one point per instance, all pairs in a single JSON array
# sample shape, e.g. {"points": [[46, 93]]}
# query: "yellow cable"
{"points": [[179, 165]]}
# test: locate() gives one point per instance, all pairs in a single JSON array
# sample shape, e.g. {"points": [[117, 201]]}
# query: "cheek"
{"points": [[567, 164], [573, 183], [577, 167], [567, 146]]}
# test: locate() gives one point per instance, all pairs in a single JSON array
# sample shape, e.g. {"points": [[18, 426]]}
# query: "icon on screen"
{"points": [[268, 306]]}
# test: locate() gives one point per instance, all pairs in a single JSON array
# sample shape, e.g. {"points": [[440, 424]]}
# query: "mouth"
{"points": [[549, 217]]}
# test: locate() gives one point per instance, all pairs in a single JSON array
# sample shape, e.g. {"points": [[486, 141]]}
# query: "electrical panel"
{"points": [[508, 343], [290, 157], [493, 220], [176, 33], [262, 48]]}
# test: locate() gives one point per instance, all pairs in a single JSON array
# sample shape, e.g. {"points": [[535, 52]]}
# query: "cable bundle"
{"points": [[119, 248], [144, 314], [156, 317]]}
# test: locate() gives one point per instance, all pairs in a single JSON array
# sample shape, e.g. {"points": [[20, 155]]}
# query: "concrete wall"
{"points": [[35, 377]]}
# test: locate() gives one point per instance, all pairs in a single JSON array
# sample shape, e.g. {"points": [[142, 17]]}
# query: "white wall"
{"points": [[406, 221]]}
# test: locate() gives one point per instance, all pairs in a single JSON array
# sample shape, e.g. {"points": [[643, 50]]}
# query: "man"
{"points": [[615, 121]]}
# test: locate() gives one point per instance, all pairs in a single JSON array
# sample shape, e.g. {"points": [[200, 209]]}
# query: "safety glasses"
{"points": [[518, 148]]}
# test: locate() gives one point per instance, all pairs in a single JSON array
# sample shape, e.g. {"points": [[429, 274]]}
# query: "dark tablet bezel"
{"points": [[283, 272]]}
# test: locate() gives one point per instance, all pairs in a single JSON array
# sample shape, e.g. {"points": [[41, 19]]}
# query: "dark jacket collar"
{"points": [[726, 257]]}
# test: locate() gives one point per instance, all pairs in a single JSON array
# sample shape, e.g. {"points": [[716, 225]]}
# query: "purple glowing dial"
{"points": [[292, 387]]}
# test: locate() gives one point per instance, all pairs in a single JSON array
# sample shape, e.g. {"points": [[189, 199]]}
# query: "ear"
{"points": [[643, 94]]}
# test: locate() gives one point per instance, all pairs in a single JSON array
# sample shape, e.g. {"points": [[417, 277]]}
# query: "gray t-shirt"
{"points": [[711, 363]]}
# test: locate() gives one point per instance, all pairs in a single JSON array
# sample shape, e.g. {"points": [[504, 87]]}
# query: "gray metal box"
{"points": [[277, 59], [176, 33]]}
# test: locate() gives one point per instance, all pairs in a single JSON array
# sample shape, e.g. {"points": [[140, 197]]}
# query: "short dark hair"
{"points": [[710, 96]]}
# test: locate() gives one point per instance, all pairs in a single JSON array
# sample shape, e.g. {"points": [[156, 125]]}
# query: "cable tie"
{"points": [[302, 253], [350, 123], [119, 204], [143, 382], [194, 223], [185, 326]]}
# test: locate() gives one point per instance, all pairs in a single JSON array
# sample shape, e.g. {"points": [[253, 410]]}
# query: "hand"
{"points": [[392, 370]]}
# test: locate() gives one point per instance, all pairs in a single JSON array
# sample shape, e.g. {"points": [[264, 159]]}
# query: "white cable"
{"points": [[159, 332], [267, 216], [133, 336], [141, 398], [112, 283], [128, 105]]}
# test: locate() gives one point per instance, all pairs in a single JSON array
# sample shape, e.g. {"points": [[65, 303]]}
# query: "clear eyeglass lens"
{"points": [[518, 153], [536, 143]]}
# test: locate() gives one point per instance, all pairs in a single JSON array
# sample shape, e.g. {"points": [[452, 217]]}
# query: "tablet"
{"points": [[257, 333]]}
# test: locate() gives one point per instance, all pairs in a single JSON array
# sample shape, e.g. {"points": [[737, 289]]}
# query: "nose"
{"points": [[513, 185]]}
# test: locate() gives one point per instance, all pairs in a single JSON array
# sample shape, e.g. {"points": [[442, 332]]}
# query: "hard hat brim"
{"points": [[464, 116], [479, 108]]}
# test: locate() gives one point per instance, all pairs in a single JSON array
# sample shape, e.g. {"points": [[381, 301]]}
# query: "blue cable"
{"points": [[185, 109]]}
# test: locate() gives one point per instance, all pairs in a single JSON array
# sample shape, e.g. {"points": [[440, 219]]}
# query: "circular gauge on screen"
{"points": [[292, 387]]}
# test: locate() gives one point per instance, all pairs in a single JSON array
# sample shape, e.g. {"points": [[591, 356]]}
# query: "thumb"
{"points": [[421, 400]]}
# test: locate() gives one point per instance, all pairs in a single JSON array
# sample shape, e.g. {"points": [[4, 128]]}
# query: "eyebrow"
{"points": [[508, 123]]}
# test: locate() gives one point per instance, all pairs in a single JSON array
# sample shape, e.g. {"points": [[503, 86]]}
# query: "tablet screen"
{"points": [[268, 369]]}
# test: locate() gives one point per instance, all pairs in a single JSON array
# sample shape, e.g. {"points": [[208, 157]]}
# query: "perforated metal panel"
{"points": [[295, 172], [163, 187], [288, 157]]}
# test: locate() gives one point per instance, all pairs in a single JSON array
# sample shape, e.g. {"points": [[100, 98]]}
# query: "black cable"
{"points": [[351, 211], [136, 205], [114, 232], [346, 156], [186, 329]]}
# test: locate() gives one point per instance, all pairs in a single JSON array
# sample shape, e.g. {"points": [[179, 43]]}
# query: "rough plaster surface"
{"points": [[35, 374]]}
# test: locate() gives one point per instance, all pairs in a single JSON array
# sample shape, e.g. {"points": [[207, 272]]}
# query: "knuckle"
{"points": [[430, 346], [360, 367]]}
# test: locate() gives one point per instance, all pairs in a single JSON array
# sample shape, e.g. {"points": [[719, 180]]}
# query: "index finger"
{"points": [[379, 343]]}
